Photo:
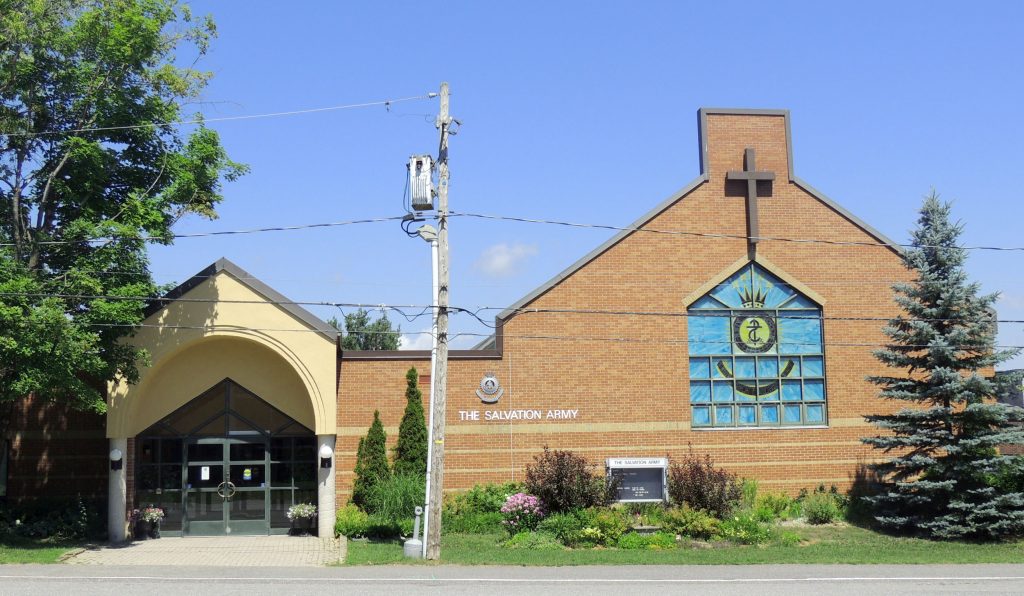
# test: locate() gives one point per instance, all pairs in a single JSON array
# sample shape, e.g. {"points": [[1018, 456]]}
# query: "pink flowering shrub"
{"points": [[522, 513]]}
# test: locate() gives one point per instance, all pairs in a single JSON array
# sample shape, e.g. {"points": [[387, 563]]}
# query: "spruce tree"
{"points": [[371, 461], [359, 484], [942, 480], [411, 450]]}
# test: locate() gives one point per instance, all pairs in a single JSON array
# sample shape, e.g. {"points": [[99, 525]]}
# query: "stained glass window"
{"points": [[756, 354]]}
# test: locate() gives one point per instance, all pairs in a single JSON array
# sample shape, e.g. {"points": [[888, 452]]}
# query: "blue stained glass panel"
{"points": [[737, 395], [814, 390], [707, 302], [800, 335], [723, 415], [723, 391], [799, 301], [791, 414], [745, 368], [700, 368], [748, 415], [812, 366], [733, 290], [767, 367], [709, 335], [700, 391]]}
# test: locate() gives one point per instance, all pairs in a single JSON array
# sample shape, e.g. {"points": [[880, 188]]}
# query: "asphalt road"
{"points": [[788, 580]]}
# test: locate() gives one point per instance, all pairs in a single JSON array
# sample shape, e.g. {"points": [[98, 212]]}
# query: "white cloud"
{"points": [[417, 341], [504, 260]]}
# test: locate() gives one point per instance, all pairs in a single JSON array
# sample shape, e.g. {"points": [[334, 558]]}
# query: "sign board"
{"points": [[204, 473], [640, 479]]}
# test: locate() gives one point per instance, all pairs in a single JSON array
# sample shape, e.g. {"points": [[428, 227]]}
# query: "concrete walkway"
{"points": [[219, 551]]}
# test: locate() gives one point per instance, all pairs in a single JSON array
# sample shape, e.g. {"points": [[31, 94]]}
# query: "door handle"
{"points": [[221, 488], [230, 489]]}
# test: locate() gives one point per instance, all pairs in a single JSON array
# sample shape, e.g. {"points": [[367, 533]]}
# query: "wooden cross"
{"points": [[752, 176]]}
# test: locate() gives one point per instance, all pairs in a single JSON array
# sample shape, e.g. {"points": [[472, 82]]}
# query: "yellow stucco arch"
{"points": [[225, 324], [257, 364]]}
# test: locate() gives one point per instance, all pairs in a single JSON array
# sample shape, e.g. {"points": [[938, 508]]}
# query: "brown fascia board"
{"points": [[248, 280], [408, 355]]}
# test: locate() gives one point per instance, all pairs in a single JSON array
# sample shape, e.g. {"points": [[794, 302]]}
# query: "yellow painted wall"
{"points": [[222, 328]]}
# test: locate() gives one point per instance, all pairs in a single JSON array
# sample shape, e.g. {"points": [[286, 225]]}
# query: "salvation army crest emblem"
{"points": [[490, 390]]}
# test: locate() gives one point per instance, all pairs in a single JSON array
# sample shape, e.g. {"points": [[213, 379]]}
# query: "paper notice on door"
{"points": [[247, 474], [204, 473]]}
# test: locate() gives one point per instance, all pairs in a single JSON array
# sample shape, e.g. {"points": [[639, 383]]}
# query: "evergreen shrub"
{"points": [[411, 448], [371, 461]]}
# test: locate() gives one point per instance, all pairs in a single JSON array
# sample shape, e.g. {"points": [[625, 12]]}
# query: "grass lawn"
{"points": [[818, 544], [22, 550]]}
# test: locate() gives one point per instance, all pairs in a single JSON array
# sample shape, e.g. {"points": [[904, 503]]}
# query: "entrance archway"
{"points": [[227, 462]]}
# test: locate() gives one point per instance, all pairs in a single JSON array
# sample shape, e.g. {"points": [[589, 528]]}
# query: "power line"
{"points": [[717, 313], [332, 224], [716, 235], [833, 282], [383, 102], [516, 219], [578, 338]]}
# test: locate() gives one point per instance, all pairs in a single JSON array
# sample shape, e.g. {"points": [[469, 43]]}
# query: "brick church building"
{"points": [[738, 344]]}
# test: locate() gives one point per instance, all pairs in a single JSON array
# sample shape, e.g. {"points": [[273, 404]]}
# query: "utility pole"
{"points": [[440, 380]]}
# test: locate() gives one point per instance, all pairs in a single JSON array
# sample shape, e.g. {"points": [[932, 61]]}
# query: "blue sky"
{"points": [[586, 111]]}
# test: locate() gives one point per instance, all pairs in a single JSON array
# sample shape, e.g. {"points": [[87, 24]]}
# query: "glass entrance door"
{"points": [[226, 488]]}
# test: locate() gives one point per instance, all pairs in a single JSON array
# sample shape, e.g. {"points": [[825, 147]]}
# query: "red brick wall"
{"points": [[632, 396], [55, 452]]}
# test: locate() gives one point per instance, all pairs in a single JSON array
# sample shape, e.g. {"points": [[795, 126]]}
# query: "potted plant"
{"points": [[147, 522], [301, 515]]}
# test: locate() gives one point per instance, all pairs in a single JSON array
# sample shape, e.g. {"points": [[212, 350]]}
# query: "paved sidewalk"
{"points": [[220, 551]]}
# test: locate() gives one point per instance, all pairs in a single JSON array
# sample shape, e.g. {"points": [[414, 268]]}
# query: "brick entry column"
{"points": [[326, 504], [117, 495]]}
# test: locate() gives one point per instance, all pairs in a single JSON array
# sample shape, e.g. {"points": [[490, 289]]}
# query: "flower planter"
{"points": [[142, 530], [302, 526]]}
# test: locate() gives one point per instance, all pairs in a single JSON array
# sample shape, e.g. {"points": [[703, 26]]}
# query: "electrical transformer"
{"points": [[421, 186]]}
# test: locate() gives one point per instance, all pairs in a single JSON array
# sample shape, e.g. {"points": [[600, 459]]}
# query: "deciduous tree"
{"points": [[92, 165]]}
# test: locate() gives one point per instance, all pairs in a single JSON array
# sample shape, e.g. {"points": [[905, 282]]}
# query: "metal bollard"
{"points": [[413, 547]]}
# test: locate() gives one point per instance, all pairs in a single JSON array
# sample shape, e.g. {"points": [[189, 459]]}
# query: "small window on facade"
{"points": [[756, 355]]}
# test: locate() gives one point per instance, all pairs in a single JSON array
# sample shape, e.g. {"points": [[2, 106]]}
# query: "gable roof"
{"points": [[248, 280], [702, 119]]}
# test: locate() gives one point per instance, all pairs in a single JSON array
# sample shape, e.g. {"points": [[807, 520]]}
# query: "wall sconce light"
{"points": [[116, 459], [325, 456]]}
